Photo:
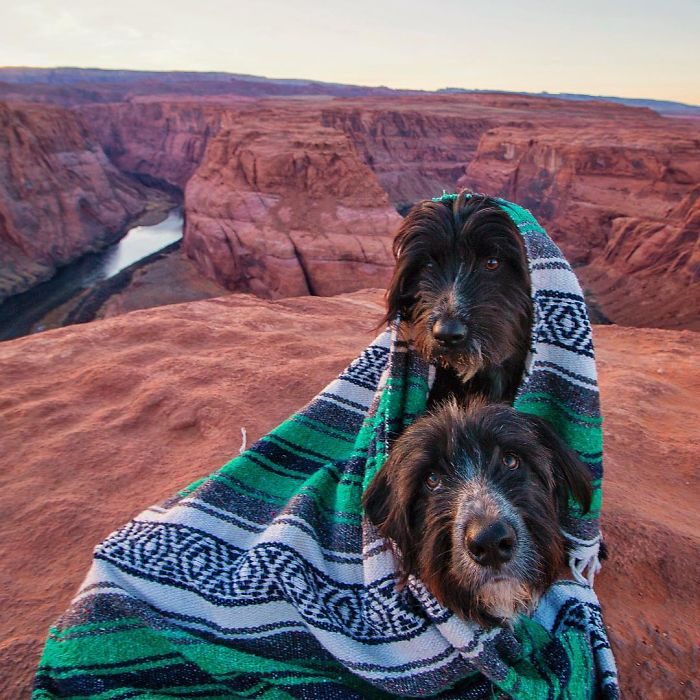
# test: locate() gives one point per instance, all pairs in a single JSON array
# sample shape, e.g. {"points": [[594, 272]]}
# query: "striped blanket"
{"points": [[264, 580]]}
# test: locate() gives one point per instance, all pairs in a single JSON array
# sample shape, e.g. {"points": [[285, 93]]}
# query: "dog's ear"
{"points": [[384, 508], [570, 474], [376, 499], [421, 219], [398, 296]]}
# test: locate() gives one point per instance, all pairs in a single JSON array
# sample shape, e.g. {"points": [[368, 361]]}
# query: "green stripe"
{"points": [[320, 432], [532, 677], [596, 504], [313, 488], [543, 397], [114, 646]]}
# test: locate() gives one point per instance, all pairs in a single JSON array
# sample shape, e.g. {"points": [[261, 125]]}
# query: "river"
{"points": [[23, 313]]}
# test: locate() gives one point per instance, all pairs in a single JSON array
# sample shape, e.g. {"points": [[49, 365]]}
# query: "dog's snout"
{"points": [[490, 544], [449, 331]]}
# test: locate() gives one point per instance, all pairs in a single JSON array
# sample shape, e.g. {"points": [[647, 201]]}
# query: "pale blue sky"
{"points": [[619, 47]]}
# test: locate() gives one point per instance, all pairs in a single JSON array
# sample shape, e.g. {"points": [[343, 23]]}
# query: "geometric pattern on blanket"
{"points": [[265, 579]]}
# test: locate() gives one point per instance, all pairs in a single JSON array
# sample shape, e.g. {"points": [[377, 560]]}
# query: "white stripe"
{"points": [[347, 390], [593, 388], [566, 359], [554, 598], [287, 533], [339, 394]]}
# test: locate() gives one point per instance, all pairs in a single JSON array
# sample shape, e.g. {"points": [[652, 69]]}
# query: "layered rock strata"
{"points": [[292, 196], [281, 206], [60, 196], [622, 203]]}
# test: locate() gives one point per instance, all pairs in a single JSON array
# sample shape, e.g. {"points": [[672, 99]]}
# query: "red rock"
{"points": [[281, 206], [611, 183], [416, 148], [275, 203], [147, 402], [59, 195], [620, 198], [155, 138], [286, 196]]}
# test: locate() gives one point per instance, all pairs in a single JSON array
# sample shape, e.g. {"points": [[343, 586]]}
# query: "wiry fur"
{"points": [[466, 446], [441, 273]]}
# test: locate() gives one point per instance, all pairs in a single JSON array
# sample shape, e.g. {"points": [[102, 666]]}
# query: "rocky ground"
{"points": [[103, 419], [170, 279]]}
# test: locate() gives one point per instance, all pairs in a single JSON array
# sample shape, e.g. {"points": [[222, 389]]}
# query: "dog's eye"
{"points": [[492, 263], [511, 460], [433, 481]]}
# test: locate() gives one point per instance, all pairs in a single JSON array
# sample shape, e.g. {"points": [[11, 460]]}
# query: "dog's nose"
{"points": [[449, 331], [491, 544]]}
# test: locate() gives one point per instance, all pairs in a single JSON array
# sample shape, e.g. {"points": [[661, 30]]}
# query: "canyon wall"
{"points": [[155, 139], [60, 196], [294, 196], [282, 206], [613, 185], [621, 200], [275, 203], [414, 153]]}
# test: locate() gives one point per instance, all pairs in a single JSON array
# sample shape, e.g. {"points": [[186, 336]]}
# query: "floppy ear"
{"points": [[395, 297], [376, 499], [398, 297], [399, 293], [570, 474], [384, 508]]}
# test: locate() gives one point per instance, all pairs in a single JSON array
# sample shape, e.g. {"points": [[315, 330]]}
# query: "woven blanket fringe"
{"points": [[584, 562]]}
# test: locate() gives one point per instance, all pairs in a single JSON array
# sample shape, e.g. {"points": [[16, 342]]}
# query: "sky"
{"points": [[623, 48]]}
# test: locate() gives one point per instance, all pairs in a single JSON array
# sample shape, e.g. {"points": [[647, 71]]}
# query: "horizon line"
{"points": [[446, 88]]}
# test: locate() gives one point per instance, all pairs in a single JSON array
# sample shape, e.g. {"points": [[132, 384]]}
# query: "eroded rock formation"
{"points": [[282, 206], [156, 139], [289, 196], [614, 186], [59, 194], [620, 199], [275, 202]]}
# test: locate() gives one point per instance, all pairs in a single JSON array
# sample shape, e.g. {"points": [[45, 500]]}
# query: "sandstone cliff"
{"points": [[291, 196], [59, 194], [613, 185], [147, 402], [158, 139], [415, 151], [620, 199], [282, 206], [275, 202]]}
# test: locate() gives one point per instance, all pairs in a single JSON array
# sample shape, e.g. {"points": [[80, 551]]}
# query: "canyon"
{"points": [[59, 194], [623, 203], [147, 402], [616, 187], [289, 191]]}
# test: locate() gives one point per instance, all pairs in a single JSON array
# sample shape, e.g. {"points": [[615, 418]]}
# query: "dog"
{"points": [[462, 284], [473, 498]]}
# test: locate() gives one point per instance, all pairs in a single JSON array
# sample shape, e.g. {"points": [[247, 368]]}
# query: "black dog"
{"points": [[473, 497], [461, 282]]}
